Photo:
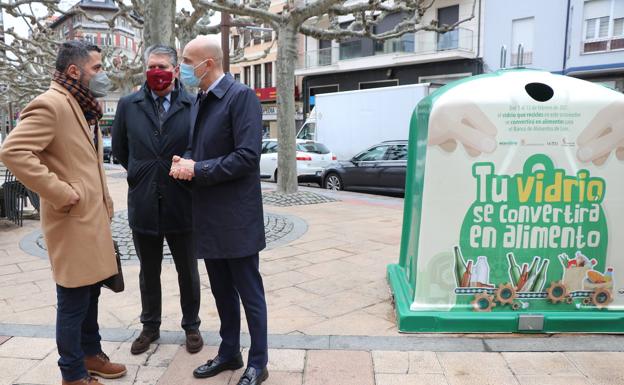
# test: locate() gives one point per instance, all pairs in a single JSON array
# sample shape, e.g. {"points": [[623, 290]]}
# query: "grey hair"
{"points": [[159, 49]]}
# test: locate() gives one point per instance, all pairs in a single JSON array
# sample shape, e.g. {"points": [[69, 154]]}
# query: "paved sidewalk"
{"points": [[331, 319]]}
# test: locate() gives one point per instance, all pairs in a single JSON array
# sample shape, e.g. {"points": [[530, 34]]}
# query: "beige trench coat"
{"points": [[51, 151]]}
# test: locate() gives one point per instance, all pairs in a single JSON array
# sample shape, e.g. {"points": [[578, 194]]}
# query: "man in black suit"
{"points": [[228, 221], [151, 125]]}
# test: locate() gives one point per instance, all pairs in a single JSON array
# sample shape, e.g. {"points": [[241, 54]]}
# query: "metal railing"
{"points": [[420, 43]]}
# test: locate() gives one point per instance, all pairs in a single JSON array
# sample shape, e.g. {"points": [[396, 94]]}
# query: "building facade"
{"points": [[257, 69], [123, 40], [595, 42], [514, 34], [421, 57]]}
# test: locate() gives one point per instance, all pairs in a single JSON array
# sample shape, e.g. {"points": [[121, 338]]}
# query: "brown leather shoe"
{"points": [[100, 365], [194, 341], [84, 381], [142, 343]]}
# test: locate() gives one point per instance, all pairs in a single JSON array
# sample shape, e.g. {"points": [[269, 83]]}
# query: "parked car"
{"points": [[312, 158], [107, 149], [380, 168]]}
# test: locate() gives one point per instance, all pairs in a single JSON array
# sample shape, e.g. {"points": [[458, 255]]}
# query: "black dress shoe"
{"points": [[253, 377], [217, 365]]}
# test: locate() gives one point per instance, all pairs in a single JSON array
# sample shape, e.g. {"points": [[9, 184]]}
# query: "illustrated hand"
{"points": [[604, 134], [183, 169], [462, 121]]}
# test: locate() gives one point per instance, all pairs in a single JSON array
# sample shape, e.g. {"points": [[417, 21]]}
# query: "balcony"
{"points": [[421, 47], [603, 45]]}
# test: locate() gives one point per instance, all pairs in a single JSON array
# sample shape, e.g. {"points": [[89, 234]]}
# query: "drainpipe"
{"points": [[478, 68], [565, 40]]}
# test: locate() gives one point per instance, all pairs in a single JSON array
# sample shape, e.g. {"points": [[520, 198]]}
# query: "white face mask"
{"points": [[100, 84]]}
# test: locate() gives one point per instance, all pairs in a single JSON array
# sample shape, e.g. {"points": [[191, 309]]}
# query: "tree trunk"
{"points": [[159, 23], [286, 59]]}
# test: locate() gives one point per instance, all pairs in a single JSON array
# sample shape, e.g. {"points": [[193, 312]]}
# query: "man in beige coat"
{"points": [[56, 151]]}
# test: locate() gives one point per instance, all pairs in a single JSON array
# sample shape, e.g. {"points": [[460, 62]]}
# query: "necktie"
{"points": [[161, 107]]}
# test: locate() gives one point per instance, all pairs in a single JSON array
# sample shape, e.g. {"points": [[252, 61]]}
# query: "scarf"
{"points": [[88, 104]]}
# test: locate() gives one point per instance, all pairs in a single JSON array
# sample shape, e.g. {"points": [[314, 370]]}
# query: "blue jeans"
{"points": [[77, 329]]}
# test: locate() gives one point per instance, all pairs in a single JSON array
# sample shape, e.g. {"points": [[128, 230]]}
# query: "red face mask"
{"points": [[158, 79]]}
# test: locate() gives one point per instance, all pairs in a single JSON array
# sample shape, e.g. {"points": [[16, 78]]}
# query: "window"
{"points": [[247, 77], [350, 49], [373, 154], [379, 84], [448, 16], [618, 27], [257, 37], [235, 41], [237, 77], [313, 147], [597, 28], [246, 38], [398, 152], [257, 76], [522, 35], [268, 75], [270, 147]]}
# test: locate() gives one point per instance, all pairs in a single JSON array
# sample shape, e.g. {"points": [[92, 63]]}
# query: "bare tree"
{"points": [[321, 19]]}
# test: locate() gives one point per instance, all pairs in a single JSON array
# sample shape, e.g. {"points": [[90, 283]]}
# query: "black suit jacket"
{"points": [[226, 140], [157, 203]]}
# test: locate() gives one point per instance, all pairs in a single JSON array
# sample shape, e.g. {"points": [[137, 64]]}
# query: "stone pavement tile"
{"points": [[35, 265], [279, 266], [180, 371], [10, 291], [324, 255], [424, 362], [481, 380], [338, 367], [286, 360], [553, 380], [383, 310], [319, 244], [45, 372], [9, 269], [13, 258], [362, 246], [42, 316], [32, 301], [355, 323], [410, 379], [31, 348], [534, 363], [163, 355], [13, 368], [289, 296], [340, 303], [285, 279], [474, 364], [604, 368], [4, 339], [322, 287], [25, 277], [280, 252], [385, 362], [149, 375], [327, 269], [291, 319]]}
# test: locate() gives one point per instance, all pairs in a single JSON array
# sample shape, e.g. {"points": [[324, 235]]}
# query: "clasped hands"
{"points": [[182, 169]]}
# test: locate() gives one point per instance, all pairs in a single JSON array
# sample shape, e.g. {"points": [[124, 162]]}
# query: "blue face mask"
{"points": [[187, 74]]}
